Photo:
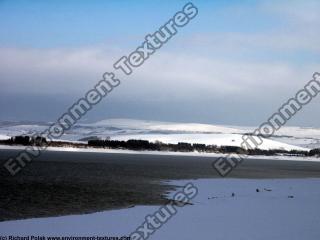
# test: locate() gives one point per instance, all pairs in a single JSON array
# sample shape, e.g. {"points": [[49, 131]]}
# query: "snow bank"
{"points": [[4, 137]]}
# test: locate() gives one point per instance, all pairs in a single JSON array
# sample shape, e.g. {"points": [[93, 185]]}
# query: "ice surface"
{"points": [[282, 209]]}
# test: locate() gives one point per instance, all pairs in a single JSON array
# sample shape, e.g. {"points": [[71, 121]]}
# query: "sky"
{"points": [[235, 63]]}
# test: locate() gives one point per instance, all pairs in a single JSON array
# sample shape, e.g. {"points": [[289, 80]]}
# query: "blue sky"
{"points": [[81, 23], [234, 56]]}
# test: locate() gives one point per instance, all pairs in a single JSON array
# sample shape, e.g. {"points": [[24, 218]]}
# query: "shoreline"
{"points": [[169, 153], [293, 202], [63, 183]]}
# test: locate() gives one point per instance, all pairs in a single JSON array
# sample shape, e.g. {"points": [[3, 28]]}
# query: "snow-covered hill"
{"points": [[287, 138]]}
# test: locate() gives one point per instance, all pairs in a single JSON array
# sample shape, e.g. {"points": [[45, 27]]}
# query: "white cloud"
{"points": [[173, 74], [51, 70], [206, 64], [298, 12]]}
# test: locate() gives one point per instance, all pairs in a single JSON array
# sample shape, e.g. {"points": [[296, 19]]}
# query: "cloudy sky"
{"points": [[236, 63]]}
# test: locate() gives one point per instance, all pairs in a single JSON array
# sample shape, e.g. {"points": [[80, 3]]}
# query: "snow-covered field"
{"points": [[208, 139], [282, 209], [287, 138], [4, 137]]}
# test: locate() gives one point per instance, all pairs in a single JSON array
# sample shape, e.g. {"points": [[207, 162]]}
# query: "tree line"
{"points": [[134, 144], [26, 140]]}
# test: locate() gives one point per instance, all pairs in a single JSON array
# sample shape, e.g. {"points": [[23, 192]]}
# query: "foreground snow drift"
{"points": [[279, 209]]}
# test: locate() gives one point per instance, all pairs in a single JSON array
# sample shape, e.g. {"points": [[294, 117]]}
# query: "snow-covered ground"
{"points": [[286, 209], [196, 154], [4, 137], [209, 139], [287, 138]]}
